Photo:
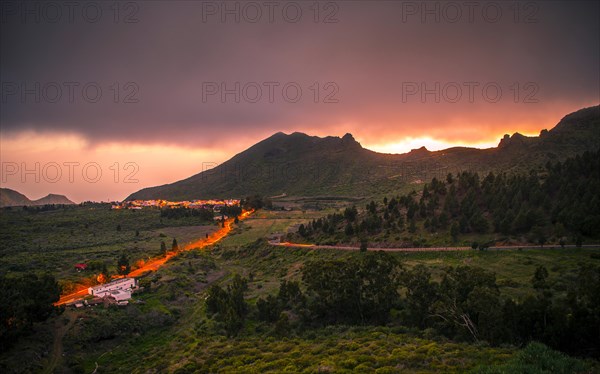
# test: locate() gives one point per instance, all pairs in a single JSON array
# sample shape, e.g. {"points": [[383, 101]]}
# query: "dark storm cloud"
{"points": [[161, 61]]}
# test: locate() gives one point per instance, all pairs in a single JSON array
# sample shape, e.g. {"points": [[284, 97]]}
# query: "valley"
{"points": [[167, 325], [449, 271]]}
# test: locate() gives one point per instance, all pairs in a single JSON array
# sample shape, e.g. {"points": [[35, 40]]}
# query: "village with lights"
{"points": [[190, 204]]}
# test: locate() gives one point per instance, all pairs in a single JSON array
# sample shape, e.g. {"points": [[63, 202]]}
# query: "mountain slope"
{"points": [[53, 199], [10, 197], [523, 208], [298, 164]]}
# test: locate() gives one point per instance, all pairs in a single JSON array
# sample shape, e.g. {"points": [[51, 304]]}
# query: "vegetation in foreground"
{"points": [[465, 305], [172, 327], [23, 302], [537, 358]]}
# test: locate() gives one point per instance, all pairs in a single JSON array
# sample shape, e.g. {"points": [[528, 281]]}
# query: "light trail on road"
{"points": [[422, 249], [156, 263]]}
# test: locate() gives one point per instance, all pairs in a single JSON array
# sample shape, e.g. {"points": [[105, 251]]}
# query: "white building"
{"points": [[120, 287], [121, 296]]}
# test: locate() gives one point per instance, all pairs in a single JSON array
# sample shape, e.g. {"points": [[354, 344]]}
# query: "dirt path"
{"points": [[349, 248], [57, 346], [420, 249]]}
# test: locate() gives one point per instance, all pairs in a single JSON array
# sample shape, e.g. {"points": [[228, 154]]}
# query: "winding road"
{"points": [[154, 264]]}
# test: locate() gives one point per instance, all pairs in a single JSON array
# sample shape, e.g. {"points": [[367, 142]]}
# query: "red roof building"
{"points": [[80, 267]]}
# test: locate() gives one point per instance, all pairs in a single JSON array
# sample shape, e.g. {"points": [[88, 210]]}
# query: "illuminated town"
{"points": [[214, 205]]}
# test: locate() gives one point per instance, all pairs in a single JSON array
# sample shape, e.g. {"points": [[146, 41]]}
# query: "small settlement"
{"points": [[117, 292], [214, 205]]}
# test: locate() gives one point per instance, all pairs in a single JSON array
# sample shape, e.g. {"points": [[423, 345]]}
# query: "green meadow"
{"points": [[33, 241]]}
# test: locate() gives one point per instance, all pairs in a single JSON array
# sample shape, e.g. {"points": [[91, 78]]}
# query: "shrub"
{"points": [[538, 358]]}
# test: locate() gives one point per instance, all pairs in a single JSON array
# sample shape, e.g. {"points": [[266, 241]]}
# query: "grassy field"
{"points": [[165, 329], [339, 349], [513, 268], [262, 224], [53, 241]]}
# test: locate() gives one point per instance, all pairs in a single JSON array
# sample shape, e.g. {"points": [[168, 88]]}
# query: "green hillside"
{"points": [[558, 204]]}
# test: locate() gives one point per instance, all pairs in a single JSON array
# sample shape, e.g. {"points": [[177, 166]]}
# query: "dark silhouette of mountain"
{"points": [[10, 197], [302, 165]]}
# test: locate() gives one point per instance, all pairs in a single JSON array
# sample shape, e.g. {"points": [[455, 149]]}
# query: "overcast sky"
{"points": [[173, 86]]}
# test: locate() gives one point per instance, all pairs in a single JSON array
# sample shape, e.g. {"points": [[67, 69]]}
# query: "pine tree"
{"points": [[104, 274], [363, 245], [302, 230], [349, 231], [454, 231], [123, 267], [413, 227]]}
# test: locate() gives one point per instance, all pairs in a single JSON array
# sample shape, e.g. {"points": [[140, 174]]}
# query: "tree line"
{"points": [[182, 212], [465, 303], [559, 203]]}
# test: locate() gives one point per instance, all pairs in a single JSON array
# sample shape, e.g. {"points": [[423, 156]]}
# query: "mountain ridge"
{"points": [[305, 165], [9, 197]]}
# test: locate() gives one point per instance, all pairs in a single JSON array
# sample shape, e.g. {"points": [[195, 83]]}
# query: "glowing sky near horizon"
{"points": [[356, 75]]}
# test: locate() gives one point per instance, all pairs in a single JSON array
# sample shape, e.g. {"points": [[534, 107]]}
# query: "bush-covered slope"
{"points": [[558, 204]]}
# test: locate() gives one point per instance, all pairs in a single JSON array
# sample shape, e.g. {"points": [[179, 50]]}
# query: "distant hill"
{"points": [[53, 199], [10, 197], [302, 165]]}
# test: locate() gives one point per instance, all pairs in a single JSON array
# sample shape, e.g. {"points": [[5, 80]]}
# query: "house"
{"points": [[119, 289], [275, 237], [120, 296], [80, 267], [112, 298], [94, 301]]}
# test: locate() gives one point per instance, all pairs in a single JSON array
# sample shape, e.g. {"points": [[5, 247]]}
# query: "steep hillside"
{"points": [[298, 164]]}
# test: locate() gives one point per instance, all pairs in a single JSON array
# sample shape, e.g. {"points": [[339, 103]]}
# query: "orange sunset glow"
{"points": [[299, 186], [456, 84], [24, 154]]}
